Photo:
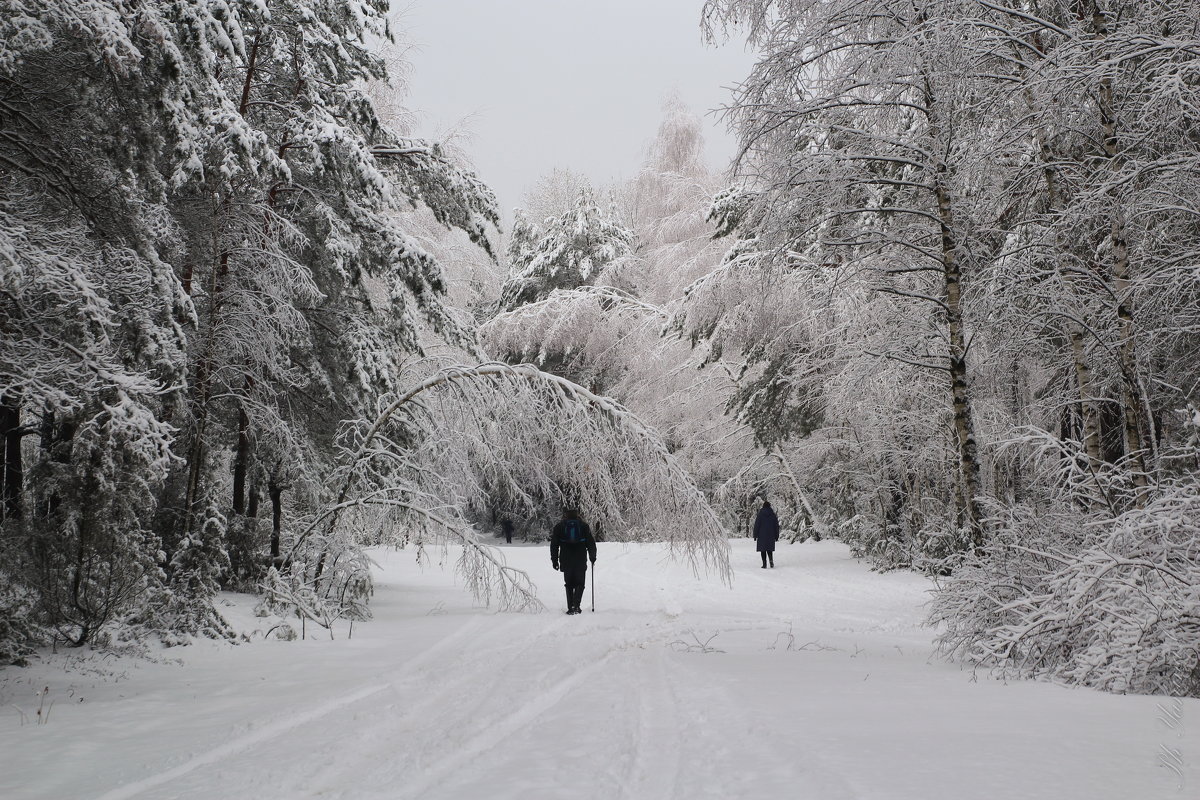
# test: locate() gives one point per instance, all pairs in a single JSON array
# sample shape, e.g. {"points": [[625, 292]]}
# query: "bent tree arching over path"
{"points": [[477, 429]]}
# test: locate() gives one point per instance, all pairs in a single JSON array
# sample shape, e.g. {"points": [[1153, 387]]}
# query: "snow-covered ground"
{"points": [[812, 680]]}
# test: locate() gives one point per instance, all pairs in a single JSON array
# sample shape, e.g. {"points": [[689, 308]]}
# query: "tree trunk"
{"points": [[1087, 406], [10, 440], [240, 460], [196, 454], [967, 494], [960, 389], [1131, 394], [1127, 355], [203, 383], [275, 492], [819, 530], [1089, 413], [56, 441]]}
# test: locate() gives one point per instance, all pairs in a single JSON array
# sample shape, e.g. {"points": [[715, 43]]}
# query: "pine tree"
{"points": [[312, 296], [582, 247], [90, 310], [202, 273]]}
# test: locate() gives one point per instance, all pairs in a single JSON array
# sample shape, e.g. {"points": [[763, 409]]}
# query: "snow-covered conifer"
{"points": [[582, 247]]}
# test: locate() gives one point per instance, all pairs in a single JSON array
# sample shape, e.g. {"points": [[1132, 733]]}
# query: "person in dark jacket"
{"points": [[507, 526], [766, 533], [571, 545]]}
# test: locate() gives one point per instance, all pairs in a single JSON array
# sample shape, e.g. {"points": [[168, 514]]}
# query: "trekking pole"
{"points": [[593, 587]]}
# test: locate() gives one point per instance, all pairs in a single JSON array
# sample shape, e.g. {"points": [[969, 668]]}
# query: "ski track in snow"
{"points": [[781, 768], [454, 715], [270, 731], [523, 717], [655, 771], [279, 727], [811, 680]]}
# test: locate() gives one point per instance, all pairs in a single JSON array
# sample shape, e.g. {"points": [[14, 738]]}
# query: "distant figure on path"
{"points": [[507, 526], [766, 532], [571, 544]]}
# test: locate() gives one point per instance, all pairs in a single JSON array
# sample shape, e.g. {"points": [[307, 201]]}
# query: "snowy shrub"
{"points": [[18, 635], [183, 607], [1113, 604], [247, 542], [196, 570], [200, 560], [285, 633], [339, 593], [89, 557]]}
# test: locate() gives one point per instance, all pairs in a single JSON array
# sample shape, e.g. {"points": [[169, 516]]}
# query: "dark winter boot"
{"points": [[570, 599], [578, 599]]}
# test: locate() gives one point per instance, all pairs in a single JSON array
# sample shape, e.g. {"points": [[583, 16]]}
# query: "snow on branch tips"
{"points": [[1117, 608], [436, 452], [598, 330]]}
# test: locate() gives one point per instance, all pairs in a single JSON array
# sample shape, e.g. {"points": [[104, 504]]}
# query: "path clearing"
{"points": [[812, 680]]}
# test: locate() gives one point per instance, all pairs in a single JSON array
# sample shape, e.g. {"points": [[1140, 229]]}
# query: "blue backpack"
{"points": [[573, 532]]}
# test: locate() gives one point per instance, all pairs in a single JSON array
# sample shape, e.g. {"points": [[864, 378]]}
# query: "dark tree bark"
{"points": [[240, 462], [1119, 272], [10, 440], [255, 498], [275, 491]]}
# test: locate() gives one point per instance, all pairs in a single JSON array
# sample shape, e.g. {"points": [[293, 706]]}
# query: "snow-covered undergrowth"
{"points": [[1113, 604], [812, 680]]}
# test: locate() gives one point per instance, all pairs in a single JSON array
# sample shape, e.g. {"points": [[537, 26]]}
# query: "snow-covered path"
{"points": [[812, 680]]}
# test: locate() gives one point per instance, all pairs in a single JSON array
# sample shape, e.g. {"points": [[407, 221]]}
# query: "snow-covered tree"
{"points": [[616, 338], [584, 246], [470, 433], [666, 206], [960, 209], [90, 310], [554, 194], [879, 163], [310, 294], [1105, 335], [202, 273]]}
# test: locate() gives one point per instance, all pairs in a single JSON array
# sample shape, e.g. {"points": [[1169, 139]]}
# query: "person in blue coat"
{"points": [[766, 533]]}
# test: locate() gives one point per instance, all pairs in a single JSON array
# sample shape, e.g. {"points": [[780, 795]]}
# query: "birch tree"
{"points": [[1009, 166], [870, 127], [1109, 105]]}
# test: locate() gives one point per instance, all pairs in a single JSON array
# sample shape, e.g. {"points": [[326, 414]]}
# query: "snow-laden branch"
{"points": [[399, 151], [1110, 604], [531, 436], [483, 568]]}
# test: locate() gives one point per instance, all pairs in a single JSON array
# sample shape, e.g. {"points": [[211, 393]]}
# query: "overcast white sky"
{"points": [[562, 83]]}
